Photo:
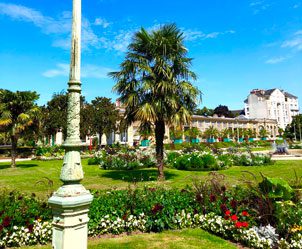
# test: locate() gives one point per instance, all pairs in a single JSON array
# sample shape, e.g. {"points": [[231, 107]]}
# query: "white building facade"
{"points": [[272, 104]]}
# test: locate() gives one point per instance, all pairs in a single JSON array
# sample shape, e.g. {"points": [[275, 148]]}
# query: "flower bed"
{"points": [[124, 159], [207, 160], [264, 216]]}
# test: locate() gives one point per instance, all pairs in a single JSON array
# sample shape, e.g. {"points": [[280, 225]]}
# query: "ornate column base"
{"points": [[70, 217]]}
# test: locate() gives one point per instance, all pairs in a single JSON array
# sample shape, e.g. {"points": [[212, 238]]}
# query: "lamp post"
{"points": [[71, 201]]}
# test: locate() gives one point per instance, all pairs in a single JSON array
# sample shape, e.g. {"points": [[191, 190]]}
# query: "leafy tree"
{"points": [[211, 132], [294, 130], [263, 133], [55, 115], [250, 133], [105, 116], [280, 131], [223, 110], [193, 133], [17, 111], [154, 83], [176, 133], [204, 112], [227, 133]]}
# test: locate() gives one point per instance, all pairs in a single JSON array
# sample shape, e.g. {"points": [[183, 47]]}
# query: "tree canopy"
{"points": [[17, 112], [154, 82]]}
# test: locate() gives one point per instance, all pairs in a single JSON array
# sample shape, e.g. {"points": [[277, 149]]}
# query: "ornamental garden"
{"points": [[233, 190]]}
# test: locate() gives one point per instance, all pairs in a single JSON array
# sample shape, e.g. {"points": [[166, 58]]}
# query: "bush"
{"points": [[17, 209]]}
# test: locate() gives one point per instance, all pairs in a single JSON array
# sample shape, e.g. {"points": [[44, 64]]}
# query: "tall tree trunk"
{"points": [[159, 141], [14, 141]]}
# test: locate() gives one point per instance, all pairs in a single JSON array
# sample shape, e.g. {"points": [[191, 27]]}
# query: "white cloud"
{"points": [[191, 35], [294, 43], [88, 71], [258, 6], [101, 22], [296, 6], [275, 60], [94, 71], [61, 70], [60, 27]]}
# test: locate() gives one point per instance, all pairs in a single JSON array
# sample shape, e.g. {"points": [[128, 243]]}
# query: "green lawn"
{"points": [[42, 177], [184, 239]]}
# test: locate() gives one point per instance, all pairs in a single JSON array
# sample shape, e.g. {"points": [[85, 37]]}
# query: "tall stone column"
{"points": [[71, 201]]}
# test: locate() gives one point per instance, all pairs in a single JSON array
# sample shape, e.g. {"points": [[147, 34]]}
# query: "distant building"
{"points": [[272, 104]]}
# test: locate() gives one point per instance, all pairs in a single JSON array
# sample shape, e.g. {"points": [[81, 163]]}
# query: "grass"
{"points": [[183, 239], [42, 177]]}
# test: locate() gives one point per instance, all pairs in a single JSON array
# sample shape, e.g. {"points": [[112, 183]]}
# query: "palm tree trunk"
{"points": [[14, 140], [159, 141]]}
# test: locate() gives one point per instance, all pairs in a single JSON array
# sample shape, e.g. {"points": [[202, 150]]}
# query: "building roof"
{"points": [[267, 93], [290, 95]]}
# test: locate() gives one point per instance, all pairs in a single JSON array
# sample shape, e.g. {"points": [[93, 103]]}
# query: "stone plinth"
{"points": [[70, 217]]}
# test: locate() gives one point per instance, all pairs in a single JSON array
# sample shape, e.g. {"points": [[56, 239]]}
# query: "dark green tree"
{"points": [[204, 112], [223, 110], [154, 83], [105, 116], [55, 114], [294, 129], [17, 112]]}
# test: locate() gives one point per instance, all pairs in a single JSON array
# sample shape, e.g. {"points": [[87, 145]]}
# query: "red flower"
{"points": [[226, 217], [6, 221], [228, 212], [238, 224], [157, 208], [212, 198], [244, 224], [234, 217], [233, 204], [245, 213], [223, 208]]}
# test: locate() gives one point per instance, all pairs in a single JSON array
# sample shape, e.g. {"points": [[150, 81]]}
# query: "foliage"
{"points": [[263, 133], [124, 159], [50, 151], [193, 133], [211, 132], [17, 111], [154, 82], [204, 112], [104, 116], [293, 130], [288, 217], [176, 133], [206, 160], [19, 210], [157, 206], [223, 110], [276, 188], [55, 114]]}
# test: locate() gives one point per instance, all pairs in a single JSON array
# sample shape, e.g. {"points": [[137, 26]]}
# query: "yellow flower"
{"points": [[295, 229]]}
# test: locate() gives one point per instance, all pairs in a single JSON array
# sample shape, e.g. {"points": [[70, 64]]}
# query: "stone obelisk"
{"points": [[71, 201]]}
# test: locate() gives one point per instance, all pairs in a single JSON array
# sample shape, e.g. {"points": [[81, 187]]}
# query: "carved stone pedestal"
{"points": [[70, 217]]}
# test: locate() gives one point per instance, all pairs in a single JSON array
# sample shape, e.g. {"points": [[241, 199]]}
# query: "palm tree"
{"points": [[154, 83], [192, 133], [211, 132], [263, 133], [17, 111]]}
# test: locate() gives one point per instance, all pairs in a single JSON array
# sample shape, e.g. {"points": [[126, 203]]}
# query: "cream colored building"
{"points": [[272, 104], [131, 135]]}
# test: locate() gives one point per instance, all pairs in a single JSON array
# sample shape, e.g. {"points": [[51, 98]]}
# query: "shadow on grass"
{"points": [[19, 165], [144, 175]]}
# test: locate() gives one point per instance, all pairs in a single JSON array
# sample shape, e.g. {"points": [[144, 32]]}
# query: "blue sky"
{"points": [[236, 45]]}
